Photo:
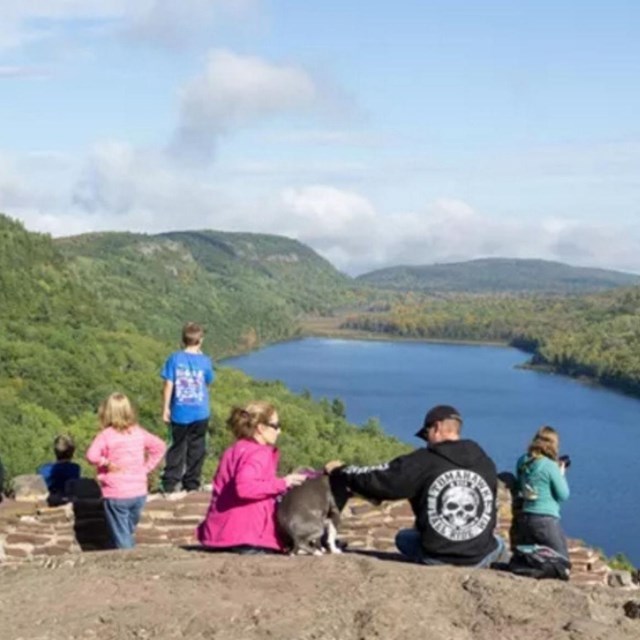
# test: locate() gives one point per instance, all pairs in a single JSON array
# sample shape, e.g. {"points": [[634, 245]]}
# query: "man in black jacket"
{"points": [[451, 486]]}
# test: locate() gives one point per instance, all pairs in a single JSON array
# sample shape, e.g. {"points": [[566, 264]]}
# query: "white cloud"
{"points": [[332, 211], [237, 91], [25, 21], [109, 181], [323, 137], [160, 22], [348, 230], [39, 180], [21, 71], [175, 24], [119, 187]]}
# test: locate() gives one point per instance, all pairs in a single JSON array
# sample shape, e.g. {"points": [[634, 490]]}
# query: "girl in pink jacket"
{"points": [[124, 454], [241, 516]]}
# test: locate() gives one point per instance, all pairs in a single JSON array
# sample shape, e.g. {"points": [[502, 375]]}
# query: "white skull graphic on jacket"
{"points": [[460, 506]]}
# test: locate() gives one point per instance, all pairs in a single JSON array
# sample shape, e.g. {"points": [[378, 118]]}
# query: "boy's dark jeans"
{"points": [[185, 455]]}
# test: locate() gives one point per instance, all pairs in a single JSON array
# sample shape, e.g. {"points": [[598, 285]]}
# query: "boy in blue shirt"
{"points": [[187, 375], [56, 474]]}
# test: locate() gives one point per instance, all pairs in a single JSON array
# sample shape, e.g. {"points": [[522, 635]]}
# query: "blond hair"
{"points": [[545, 443], [192, 334], [243, 421], [116, 411]]}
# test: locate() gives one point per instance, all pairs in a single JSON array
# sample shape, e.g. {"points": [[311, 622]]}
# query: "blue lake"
{"points": [[502, 406]]}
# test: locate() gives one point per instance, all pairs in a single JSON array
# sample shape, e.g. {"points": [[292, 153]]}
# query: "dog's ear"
{"points": [[339, 490]]}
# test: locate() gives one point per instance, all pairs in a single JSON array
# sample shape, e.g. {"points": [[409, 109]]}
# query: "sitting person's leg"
{"points": [[500, 554], [409, 543]]}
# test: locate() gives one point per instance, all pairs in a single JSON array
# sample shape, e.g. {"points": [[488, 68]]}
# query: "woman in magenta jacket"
{"points": [[241, 516]]}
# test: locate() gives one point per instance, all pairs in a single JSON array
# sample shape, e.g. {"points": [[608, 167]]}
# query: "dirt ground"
{"points": [[177, 593]]}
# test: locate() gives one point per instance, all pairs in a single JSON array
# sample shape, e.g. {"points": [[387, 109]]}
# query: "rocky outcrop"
{"points": [[164, 592], [29, 488], [32, 532]]}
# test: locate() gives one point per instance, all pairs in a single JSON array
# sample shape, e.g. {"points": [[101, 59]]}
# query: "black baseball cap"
{"points": [[435, 414]]}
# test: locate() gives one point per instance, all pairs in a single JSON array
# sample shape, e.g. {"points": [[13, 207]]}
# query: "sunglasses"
{"points": [[273, 425]]}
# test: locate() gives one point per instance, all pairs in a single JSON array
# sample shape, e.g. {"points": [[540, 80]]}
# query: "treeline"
{"points": [[596, 336], [249, 289], [75, 328]]}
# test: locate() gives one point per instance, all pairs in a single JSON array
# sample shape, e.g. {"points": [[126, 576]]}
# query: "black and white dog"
{"points": [[309, 516]]}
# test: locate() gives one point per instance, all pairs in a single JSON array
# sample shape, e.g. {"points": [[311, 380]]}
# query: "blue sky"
{"points": [[378, 133]]}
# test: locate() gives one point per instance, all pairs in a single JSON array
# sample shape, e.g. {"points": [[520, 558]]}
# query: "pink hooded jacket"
{"points": [[243, 501]]}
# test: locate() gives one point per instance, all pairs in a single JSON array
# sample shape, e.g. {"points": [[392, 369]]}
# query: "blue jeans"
{"points": [[123, 515], [409, 543], [534, 528]]}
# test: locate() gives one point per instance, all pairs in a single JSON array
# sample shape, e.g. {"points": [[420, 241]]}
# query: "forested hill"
{"points": [[249, 288], [37, 283], [595, 336], [83, 317], [496, 275]]}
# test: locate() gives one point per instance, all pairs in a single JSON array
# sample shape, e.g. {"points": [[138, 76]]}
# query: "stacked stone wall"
{"points": [[30, 532], [36, 531]]}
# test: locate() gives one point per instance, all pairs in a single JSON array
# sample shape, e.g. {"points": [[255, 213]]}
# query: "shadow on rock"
{"points": [[90, 525]]}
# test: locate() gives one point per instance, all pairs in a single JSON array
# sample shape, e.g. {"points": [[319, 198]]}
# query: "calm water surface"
{"points": [[502, 406]]}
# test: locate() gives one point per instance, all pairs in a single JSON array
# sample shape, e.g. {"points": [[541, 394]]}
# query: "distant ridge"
{"points": [[499, 275]]}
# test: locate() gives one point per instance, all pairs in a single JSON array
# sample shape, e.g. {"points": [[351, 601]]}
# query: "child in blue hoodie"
{"points": [[56, 474]]}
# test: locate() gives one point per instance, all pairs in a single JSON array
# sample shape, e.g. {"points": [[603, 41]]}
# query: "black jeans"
{"points": [[534, 528], [185, 455]]}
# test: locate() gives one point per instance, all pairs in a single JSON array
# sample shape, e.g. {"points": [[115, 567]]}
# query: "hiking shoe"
{"points": [[173, 495]]}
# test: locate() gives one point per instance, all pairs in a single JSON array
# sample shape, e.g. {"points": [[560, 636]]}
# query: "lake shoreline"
{"points": [[313, 326], [329, 327], [355, 335]]}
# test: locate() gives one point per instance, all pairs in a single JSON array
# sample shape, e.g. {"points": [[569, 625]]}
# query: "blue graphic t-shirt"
{"points": [[190, 374]]}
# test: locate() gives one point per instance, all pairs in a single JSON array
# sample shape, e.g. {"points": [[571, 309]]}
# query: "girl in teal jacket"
{"points": [[543, 486]]}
